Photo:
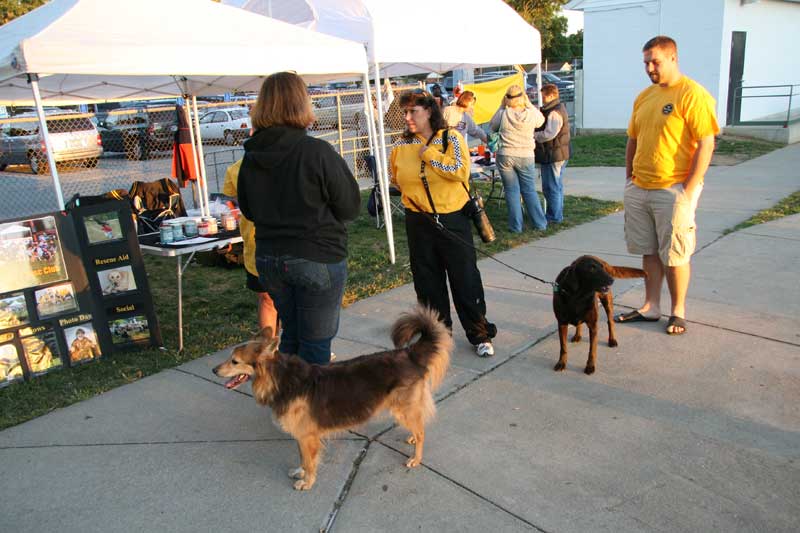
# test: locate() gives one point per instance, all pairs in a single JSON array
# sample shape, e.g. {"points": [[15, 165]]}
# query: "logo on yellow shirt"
{"points": [[667, 109]]}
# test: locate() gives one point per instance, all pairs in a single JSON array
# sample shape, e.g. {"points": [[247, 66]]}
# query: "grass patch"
{"points": [[608, 150], [220, 312], [744, 148], [788, 206]]}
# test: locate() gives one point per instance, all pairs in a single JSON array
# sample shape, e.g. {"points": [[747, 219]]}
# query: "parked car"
{"points": [[228, 125], [328, 115], [566, 88], [496, 74], [73, 139], [139, 129]]}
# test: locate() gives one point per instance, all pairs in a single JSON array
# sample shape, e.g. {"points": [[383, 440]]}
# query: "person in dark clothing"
{"points": [[433, 179], [552, 152], [299, 193]]}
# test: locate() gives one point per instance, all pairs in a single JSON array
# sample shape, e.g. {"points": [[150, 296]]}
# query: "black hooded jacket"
{"points": [[299, 193]]}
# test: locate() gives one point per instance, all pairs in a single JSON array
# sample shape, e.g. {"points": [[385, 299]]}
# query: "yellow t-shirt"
{"points": [[667, 122], [246, 228], [445, 172]]}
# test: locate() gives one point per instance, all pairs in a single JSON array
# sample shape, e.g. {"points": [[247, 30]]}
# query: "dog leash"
{"points": [[435, 221]]}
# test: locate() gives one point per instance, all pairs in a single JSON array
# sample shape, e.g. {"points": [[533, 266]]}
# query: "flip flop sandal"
{"points": [[678, 322], [634, 316]]}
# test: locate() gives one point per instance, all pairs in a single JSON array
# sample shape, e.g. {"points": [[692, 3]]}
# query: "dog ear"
{"points": [[268, 347], [568, 279], [265, 334]]}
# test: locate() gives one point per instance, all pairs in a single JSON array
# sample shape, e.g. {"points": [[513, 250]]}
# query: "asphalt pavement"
{"points": [[698, 432]]}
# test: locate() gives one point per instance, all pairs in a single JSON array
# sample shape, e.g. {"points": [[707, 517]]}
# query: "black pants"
{"points": [[436, 256]]}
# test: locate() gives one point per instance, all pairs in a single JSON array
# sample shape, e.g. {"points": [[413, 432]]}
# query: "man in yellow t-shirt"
{"points": [[670, 144]]}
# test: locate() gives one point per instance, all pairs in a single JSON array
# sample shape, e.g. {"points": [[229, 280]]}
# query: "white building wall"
{"points": [[771, 54], [614, 34]]}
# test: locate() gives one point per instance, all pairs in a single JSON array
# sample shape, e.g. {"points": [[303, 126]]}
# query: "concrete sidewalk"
{"points": [[692, 433]]}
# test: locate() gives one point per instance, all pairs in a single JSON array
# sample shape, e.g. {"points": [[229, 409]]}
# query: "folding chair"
{"points": [[153, 202], [395, 205]]}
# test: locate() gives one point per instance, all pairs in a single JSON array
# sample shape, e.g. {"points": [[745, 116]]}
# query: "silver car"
{"points": [[230, 125], [74, 139]]}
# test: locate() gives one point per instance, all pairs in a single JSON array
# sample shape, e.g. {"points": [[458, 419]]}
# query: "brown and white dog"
{"points": [[312, 401], [575, 296]]}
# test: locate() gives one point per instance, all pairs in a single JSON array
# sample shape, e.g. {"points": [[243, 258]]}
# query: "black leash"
{"points": [[434, 218]]}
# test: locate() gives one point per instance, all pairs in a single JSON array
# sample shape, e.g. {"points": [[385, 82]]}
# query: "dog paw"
{"points": [[303, 484], [576, 338], [613, 342], [589, 370], [411, 440], [560, 367], [297, 473], [412, 463]]}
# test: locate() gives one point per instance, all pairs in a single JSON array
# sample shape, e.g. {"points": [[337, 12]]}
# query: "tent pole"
{"points": [[369, 113], [194, 157], [33, 79], [383, 168], [200, 158]]}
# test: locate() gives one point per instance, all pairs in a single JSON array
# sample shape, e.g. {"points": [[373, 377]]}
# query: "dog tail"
{"points": [[625, 272], [433, 348]]}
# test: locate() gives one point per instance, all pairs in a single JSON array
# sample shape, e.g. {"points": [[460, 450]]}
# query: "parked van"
{"points": [[74, 138]]}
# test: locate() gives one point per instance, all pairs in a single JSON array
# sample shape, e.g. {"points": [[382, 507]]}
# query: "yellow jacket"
{"points": [[246, 227], [447, 173]]}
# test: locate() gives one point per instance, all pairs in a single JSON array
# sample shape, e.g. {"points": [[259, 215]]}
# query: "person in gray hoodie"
{"points": [[516, 120]]}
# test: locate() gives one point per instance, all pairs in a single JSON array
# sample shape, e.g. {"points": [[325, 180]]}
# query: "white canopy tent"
{"points": [[404, 39], [81, 51]]}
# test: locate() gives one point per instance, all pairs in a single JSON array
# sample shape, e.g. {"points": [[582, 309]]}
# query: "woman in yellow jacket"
{"points": [[439, 253]]}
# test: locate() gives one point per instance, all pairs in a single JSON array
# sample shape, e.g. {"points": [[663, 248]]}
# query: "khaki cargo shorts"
{"points": [[661, 221]]}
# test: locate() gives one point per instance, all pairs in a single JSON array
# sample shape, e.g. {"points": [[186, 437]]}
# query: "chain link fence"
{"points": [[113, 148]]}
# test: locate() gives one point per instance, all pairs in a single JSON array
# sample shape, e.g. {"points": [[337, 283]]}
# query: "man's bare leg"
{"points": [[678, 284], [652, 265]]}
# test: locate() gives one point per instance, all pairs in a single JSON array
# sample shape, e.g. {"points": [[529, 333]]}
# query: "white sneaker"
{"points": [[485, 349]]}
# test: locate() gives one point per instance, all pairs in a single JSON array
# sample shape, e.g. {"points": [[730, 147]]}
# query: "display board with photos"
{"points": [[72, 289]]}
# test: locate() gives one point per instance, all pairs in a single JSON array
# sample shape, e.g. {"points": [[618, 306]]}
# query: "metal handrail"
{"points": [[739, 96]]}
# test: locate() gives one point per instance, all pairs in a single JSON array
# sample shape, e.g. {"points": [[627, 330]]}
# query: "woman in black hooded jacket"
{"points": [[299, 193]]}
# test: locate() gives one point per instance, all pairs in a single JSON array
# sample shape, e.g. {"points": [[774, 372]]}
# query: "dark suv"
{"points": [[566, 88], [139, 130]]}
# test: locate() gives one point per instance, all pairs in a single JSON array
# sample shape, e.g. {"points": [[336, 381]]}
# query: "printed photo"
{"points": [[129, 330], [41, 351], [82, 343], [55, 300], [13, 311], [10, 368], [103, 227], [116, 280], [30, 254]]}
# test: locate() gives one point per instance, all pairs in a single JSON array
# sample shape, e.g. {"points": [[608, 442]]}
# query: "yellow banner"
{"points": [[490, 95]]}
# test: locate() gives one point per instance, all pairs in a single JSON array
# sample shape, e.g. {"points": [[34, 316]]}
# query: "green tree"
{"points": [[540, 13], [544, 16], [11, 9]]}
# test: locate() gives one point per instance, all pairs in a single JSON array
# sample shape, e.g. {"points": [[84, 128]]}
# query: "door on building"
{"points": [[735, 73]]}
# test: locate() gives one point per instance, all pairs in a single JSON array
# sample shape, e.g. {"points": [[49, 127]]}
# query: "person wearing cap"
{"points": [[516, 120]]}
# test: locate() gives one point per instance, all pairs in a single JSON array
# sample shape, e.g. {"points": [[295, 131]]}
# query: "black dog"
{"points": [[575, 301]]}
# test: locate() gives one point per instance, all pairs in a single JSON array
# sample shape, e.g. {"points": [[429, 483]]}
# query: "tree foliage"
{"points": [[11, 9], [544, 16]]}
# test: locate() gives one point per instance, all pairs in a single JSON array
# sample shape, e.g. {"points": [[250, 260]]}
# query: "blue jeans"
{"points": [[519, 178], [553, 190], [308, 297]]}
